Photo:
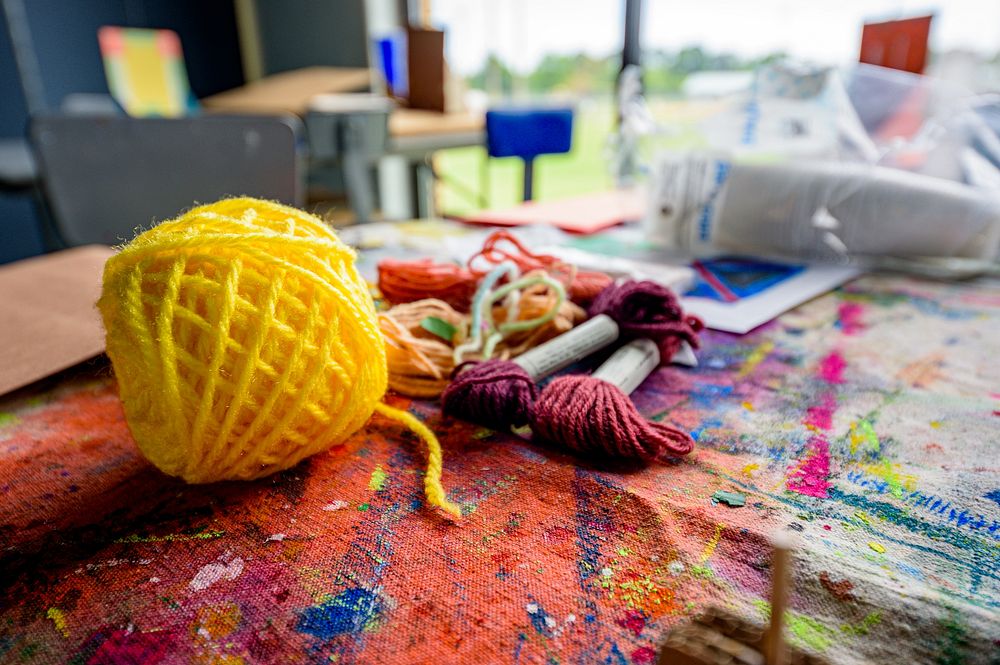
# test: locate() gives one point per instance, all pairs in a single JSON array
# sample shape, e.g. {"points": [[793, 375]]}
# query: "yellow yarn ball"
{"points": [[244, 340]]}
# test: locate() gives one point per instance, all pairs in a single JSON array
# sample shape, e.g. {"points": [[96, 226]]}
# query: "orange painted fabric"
{"points": [[866, 420]]}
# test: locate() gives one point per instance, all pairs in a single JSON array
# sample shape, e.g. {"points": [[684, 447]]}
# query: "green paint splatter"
{"points": [[953, 643], [863, 434], [805, 630], [886, 472], [703, 572], [864, 626], [171, 603], [7, 419], [731, 499], [204, 535], [377, 480], [810, 631], [363, 507]]}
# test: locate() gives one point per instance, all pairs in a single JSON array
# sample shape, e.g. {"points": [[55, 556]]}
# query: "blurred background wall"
{"points": [[63, 50]]}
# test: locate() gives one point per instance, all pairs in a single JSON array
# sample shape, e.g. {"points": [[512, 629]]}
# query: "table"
{"points": [[414, 134], [288, 92], [410, 134], [866, 421]]}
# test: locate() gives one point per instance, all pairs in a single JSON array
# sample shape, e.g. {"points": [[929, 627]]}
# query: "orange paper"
{"points": [[580, 214]]}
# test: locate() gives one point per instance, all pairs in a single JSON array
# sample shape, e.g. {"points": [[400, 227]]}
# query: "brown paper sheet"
{"points": [[48, 320]]}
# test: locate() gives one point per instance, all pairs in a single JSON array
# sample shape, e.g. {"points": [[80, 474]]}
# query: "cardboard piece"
{"points": [[426, 70], [580, 214], [49, 321]]}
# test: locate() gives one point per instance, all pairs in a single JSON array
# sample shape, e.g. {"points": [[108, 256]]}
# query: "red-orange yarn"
{"points": [[406, 281]]}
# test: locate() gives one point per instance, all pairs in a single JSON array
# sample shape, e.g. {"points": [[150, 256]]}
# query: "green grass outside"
{"points": [[586, 168]]}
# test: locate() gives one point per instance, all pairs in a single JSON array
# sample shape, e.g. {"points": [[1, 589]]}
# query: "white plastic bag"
{"points": [[886, 164]]}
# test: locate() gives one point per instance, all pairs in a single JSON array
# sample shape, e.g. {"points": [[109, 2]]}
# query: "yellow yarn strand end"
{"points": [[432, 479]]}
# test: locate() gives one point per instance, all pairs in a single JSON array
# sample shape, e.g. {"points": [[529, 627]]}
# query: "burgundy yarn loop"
{"points": [[591, 416], [578, 412], [647, 309], [495, 393]]}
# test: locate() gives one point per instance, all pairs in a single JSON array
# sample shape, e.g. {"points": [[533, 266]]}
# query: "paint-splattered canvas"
{"points": [[867, 420]]}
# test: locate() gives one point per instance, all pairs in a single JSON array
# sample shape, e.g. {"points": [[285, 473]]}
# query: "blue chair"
{"points": [[528, 133]]}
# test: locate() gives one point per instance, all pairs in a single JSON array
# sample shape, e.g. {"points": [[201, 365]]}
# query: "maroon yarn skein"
{"points": [[590, 416], [650, 310], [497, 394], [500, 393]]}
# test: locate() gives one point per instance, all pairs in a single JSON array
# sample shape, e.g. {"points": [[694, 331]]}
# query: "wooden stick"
{"points": [[775, 652]]}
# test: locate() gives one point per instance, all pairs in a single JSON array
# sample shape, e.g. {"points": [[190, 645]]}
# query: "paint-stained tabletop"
{"points": [[868, 420]]}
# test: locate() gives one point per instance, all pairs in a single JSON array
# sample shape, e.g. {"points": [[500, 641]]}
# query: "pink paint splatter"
{"points": [[831, 368], [810, 476], [820, 416], [634, 621], [849, 316], [125, 646], [643, 656]]}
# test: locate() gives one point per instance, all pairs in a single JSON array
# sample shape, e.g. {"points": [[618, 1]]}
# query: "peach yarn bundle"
{"points": [[244, 340], [421, 363]]}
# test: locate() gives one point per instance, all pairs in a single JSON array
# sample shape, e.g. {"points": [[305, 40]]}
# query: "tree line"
{"points": [[664, 72]]}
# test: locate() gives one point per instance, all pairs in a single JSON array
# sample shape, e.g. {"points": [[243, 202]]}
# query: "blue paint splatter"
{"points": [[616, 657], [521, 638], [540, 619], [887, 511], [592, 516], [350, 611], [709, 423], [909, 570], [708, 395], [993, 496]]}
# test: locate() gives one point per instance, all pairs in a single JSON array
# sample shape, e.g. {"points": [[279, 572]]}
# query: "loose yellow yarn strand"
{"points": [[432, 479]]}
